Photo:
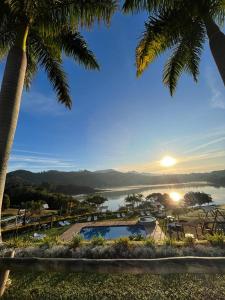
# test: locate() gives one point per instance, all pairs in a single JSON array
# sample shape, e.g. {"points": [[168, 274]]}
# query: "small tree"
{"points": [[95, 200], [6, 202], [134, 199], [196, 198]]}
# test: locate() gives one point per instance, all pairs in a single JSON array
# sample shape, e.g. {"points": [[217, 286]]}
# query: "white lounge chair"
{"points": [[89, 219], [39, 236], [61, 223], [123, 215], [148, 213], [118, 215], [66, 223], [95, 218], [142, 214]]}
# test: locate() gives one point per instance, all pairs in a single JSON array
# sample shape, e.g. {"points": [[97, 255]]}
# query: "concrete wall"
{"points": [[210, 265]]}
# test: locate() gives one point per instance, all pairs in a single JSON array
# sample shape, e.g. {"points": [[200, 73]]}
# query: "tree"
{"points": [[6, 202], [182, 26], [37, 33], [95, 200], [196, 198], [134, 199]]}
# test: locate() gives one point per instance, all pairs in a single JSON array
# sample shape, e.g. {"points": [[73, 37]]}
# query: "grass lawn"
{"points": [[106, 286]]}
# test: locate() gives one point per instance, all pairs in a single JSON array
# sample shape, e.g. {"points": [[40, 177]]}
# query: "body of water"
{"points": [[112, 232], [116, 196]]}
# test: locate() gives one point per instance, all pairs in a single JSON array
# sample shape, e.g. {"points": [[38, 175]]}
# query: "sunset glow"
{"points": [[175, 196], [168, 161]]}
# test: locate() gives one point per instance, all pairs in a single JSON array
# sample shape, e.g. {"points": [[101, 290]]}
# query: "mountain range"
{"points": [[110, 178]]}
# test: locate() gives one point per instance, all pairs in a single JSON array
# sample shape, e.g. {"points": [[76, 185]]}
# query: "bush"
{"points": [[19, 242], [189, 240], [98, 241], [121, 245], [169, 242], [150, 242], [217, 239], [136, 237], [77, 240], [51, 241]]}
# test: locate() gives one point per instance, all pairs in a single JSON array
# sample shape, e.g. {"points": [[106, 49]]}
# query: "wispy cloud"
{"points": [[206, 145], [37, 162], [38, 103], [217, 99]]}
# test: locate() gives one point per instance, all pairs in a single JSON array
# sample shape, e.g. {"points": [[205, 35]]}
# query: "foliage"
{"points": [[169, 242], [136, 237], [95, 200], [163, 199], [52, 33], [122, 244], [77, 241], [180, 26], [134, 199], [50, 241], [193, 198], [217, 239], [19, 242], [189, 240], [150, 242], [84, 286], [6, 202], [98, 241], [21, 194]]}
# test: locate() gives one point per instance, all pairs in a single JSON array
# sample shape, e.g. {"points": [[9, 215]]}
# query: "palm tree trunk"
{"points": [[10, 99], [217, 45]]}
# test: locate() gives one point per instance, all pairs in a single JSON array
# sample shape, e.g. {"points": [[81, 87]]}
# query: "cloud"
{"points": [[38, 103], [37, 162], [217, 99]]}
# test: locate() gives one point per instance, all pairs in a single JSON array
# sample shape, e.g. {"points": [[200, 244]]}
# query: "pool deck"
{"points": [[153, 231]]}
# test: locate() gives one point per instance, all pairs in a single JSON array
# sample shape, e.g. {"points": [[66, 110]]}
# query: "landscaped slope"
{"points": [[40, 286]]}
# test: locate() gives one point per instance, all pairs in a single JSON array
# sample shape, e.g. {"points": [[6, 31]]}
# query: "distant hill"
{"points": [[109, 178]]}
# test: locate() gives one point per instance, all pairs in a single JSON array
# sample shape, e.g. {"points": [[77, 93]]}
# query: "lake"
{"points": [[116, 196]]}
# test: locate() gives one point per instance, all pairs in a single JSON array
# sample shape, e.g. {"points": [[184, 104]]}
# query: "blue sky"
{"points": [[119, 121]]}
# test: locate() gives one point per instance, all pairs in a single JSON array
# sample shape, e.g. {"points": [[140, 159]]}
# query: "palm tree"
{"points": [[182, 26], [37, 33]]}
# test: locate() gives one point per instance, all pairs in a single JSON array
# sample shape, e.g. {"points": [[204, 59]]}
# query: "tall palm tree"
{"points": [[183, 26], [37, 33]]}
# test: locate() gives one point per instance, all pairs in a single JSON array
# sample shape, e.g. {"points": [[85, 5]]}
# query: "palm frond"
{"points": [[74, 45], [159, 35], [185, 57], [149, 5], [52, 65], [32, 67], [174, 67]]}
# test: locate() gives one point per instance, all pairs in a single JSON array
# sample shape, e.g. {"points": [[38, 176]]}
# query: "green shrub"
{"points": [[51, 241], [77, 240], [150, 242], [19, 242], [217, 239], [136, 237], [122, 243], [98, 241], [169, 242]]}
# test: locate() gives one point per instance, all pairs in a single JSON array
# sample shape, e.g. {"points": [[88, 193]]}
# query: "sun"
{"points": [[175, 196], [168, 161]]}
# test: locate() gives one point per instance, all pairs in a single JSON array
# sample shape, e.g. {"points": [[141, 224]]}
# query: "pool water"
{"points": [[112, 232]]}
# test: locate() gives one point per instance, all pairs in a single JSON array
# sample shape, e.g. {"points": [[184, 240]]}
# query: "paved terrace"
{"points": [[154, 231]]}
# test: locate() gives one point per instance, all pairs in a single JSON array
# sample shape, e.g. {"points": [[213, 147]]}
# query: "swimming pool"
{"points": [[112, 232]]}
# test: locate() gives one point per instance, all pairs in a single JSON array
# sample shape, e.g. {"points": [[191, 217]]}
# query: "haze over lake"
{"points": [[116, 196]]}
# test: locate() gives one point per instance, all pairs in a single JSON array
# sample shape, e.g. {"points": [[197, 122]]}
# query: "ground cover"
{"points": [[84, 286]]}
